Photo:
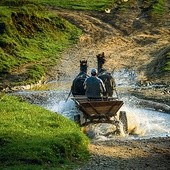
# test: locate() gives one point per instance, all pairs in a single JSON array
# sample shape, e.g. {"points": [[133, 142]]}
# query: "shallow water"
{"points": [[142, 122], [148, 123]]}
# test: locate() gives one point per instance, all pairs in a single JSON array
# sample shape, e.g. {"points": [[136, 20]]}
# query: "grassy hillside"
{"points": [[76, 4], [34, 138], [31, 39]]}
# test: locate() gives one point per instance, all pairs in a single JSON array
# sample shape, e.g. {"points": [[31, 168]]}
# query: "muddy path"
{"points": [[136, 155]]}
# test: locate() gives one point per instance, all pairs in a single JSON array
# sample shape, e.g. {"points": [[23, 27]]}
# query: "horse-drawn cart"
{"points": [[98, 110], [101, 110]]}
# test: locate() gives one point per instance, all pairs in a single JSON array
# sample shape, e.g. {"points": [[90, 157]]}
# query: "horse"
{"points": [[77, 87], [105, 76]]}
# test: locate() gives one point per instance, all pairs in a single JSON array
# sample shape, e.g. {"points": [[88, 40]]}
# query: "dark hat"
{"points": [[93, 71]]}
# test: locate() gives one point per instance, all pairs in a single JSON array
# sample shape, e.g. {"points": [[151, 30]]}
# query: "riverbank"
{"points": [[121, 154]]}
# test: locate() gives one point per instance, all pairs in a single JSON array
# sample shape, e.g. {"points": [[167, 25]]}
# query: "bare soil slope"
{"points": [[128, 39]]}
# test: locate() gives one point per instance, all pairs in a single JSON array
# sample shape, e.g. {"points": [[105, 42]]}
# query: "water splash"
{"points": [[67, 109], [125, 77], [148, 123], [142, 123]]}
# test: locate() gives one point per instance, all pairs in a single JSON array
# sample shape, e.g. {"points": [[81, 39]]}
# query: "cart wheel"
{"points": [[123, 119], [77, 119]]}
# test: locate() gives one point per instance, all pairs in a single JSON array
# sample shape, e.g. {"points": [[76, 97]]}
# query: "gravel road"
{"points": [[120, 154]]}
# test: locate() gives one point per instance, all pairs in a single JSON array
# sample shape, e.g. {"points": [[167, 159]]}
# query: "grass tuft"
{"points": [[167, 65]]}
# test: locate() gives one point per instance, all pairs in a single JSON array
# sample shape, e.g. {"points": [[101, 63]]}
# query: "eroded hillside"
{"points": [[33, 41], [130, 39]]}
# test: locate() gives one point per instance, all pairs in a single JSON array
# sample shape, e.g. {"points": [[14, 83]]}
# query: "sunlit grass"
{"points": [[33, 136], [79, 4], [32, 34]]}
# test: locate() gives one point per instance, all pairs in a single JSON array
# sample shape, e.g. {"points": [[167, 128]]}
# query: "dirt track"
{"points": [[132, 43], [130, 155], [125, 45]]}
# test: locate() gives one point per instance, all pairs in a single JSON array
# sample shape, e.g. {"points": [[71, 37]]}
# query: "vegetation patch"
{"points": [[32, 37], [167, 65], [78, 4], [160, 7], [34, 138]]}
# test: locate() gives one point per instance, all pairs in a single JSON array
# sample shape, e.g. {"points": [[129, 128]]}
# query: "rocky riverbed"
{"points": [[116, 152], [120, 154]]}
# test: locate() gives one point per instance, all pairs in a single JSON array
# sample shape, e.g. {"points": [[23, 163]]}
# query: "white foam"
{"points": [[143, 122]]}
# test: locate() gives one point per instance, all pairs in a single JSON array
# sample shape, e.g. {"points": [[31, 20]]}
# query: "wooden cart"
{"points": [[100, 110]]}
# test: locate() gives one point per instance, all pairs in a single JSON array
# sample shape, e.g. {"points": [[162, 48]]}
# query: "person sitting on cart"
{"points": [[94, 86]]}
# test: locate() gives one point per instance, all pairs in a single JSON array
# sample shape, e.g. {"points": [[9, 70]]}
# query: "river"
{"points": [[144, 122]]}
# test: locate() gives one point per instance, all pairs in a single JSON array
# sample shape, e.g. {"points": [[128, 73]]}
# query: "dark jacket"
{"points": [[94, 87]]}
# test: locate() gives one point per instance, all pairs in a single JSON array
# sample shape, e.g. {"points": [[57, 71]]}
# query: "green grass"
{"points": [[34, 138], [159, 8], [167, 65], [71, 4], [31, 35]]}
